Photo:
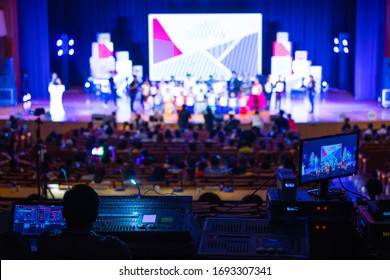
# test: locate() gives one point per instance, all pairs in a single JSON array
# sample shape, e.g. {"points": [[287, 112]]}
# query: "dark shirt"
{"points": [[234, 85], [209, 121], [183, 118], [281, 124], [72, 245], [346, 127], [112, 85], [233, 124], [311, 87]]}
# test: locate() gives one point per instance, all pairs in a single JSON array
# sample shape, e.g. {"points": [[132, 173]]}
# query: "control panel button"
{"points": [[141, 226], [152, 226]]}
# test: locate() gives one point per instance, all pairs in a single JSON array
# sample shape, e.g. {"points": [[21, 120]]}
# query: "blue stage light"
{"points": [[346, 50], [26, 97], [336, 41], [60, 52], [87, 85], [345, 42], [59, 43], [71, 42], [336, 49], [71, 52]]}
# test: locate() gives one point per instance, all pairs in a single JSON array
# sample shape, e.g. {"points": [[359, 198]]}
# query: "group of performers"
{"points": [[238, 95]]}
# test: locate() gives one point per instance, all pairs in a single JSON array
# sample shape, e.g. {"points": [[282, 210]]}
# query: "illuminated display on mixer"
{"points": [[289, 185], [149, 219], [292, 209], [166, 219]]}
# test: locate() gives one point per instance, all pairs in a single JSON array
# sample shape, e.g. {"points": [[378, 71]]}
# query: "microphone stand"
{"points": [[38, 150], [122, 188], [134, 182], [66, 177]]}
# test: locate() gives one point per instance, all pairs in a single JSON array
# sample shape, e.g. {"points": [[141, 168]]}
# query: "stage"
{"points": [[332, 108]]}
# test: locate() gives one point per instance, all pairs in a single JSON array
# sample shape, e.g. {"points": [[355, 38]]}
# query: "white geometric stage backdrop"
{"points": [[203, 45]]}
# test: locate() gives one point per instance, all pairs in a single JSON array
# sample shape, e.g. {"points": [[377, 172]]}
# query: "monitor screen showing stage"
{"points": [[203, 45], [328, 157]]}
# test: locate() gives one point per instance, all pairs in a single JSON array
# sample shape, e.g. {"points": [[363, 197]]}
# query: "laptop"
{"points": [[32, 219]]}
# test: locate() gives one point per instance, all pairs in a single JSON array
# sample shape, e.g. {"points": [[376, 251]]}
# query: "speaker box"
{"points": [[7, 81], [7, 66], [8, 97], [386, 67]]}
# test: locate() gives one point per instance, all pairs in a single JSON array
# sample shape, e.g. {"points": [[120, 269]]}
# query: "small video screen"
{"points": [[328, 157]]}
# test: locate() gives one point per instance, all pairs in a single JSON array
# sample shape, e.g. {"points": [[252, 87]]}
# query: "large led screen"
{"points": [[203, 45]]}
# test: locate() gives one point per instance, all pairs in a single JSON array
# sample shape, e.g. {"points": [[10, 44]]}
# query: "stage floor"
{"points": [[79, 107]]}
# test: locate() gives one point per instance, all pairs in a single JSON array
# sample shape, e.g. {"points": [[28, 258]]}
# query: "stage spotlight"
{"points": [[71, 42], [346, 50], [345, 42], [60, 52], [336, 49], [71, 52], [324, 87], [59, 43], [89, 86], [26, 97], [336, 41]]}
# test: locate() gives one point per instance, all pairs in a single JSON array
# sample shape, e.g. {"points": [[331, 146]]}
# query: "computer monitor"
{"points": [[328, 157], [32, 219]]}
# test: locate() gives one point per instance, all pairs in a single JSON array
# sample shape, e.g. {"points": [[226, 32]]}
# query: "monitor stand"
{"points": [[326, 193]]}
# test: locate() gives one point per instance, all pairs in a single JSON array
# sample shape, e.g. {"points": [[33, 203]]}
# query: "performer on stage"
{"points": [[200, 91], [179, 97], [212, 100], [189, 82], [145, 89], [56, 90], [243, 103], [311, 92], [257, 99], [153, 88], [133, 88], [158, 102], [172, 83], [168, 100], [279, 89], [113, 94], [55, 80], [210, 82], [222, 104], [190, 102], [232, 103], [246, 84], [268, 87], [234, 83]]}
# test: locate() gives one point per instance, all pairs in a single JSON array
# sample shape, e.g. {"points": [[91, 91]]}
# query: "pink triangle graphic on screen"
{"points": [[163, 47], [323, 152]]}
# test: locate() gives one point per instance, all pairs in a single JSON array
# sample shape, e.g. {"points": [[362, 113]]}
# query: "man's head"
{"points": [[80, 209]]}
